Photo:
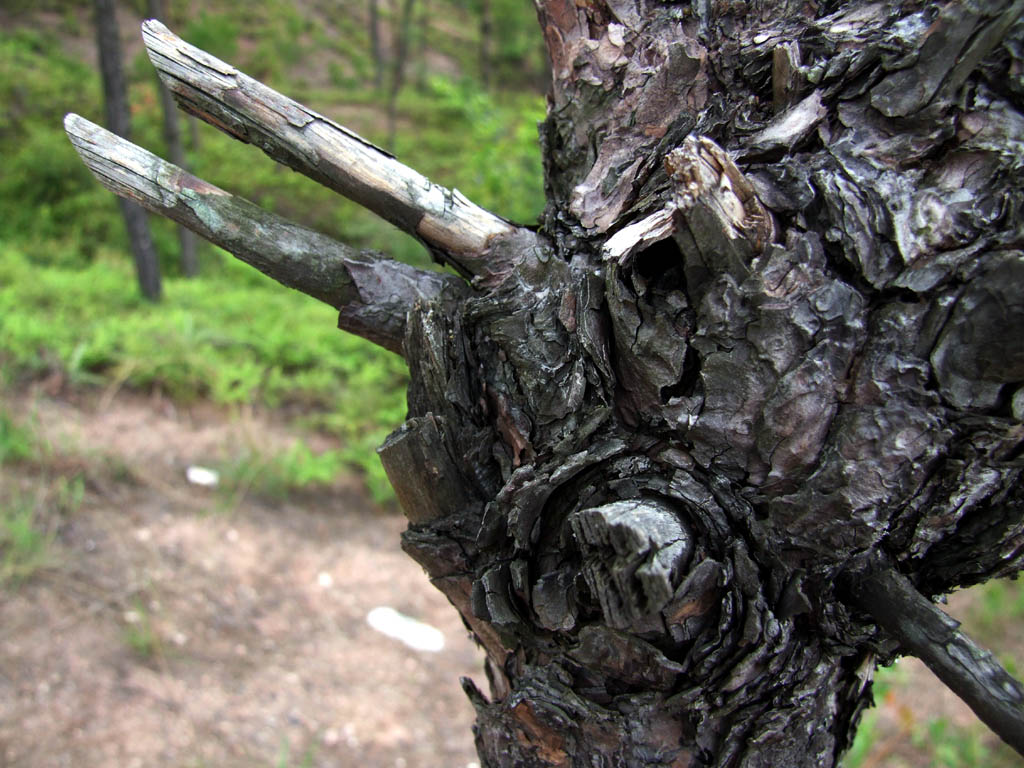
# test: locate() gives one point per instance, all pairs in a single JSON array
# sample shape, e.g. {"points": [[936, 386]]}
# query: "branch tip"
{"points": [[372, 294], [306, 141]]}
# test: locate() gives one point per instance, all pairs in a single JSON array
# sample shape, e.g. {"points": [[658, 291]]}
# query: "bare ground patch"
{"points": [[171, 629]]}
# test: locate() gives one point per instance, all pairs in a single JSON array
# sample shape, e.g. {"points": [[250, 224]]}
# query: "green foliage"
{"points": [[15, 441], [234, 337], [215, 33], [139, 633], [24, 544], [520, 56], [39, 81]]}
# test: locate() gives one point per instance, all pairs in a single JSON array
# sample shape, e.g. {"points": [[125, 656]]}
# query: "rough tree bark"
{"points": [[692, 457], [115, 99]]}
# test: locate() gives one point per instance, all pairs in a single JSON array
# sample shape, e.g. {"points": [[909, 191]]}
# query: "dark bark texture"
{"points": [[775, 330], [762, 358]]}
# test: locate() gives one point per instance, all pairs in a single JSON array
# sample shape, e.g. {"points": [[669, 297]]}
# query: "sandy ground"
{"points": [[175, 628], [180, 627]]}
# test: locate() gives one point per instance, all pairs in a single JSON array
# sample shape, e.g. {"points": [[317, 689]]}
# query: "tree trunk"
{"points": [[115, 96], [694, 457], [398, 65], [375, 50], [176, 153], [486, 42]]}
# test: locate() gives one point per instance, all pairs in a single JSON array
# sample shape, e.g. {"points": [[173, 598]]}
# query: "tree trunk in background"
{"points": [[398, 66], [176, 154], [375, 50], [695, 455], [486, 42], [422, 43], [108, 43]]}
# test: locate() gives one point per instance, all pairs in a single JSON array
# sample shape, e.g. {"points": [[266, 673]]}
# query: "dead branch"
{"points": [[317, 147], [372, 293], [923, 630]]}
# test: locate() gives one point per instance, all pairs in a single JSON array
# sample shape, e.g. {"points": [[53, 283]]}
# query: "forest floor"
{"points": [[176, 626], [172, 625]]}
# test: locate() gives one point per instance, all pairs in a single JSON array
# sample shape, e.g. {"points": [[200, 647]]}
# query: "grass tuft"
{"points": [[24, 541]]}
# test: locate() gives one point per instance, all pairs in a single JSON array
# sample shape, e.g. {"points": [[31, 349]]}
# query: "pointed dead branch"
{"points": [[336, 157], [372, 293], [923, 630]]}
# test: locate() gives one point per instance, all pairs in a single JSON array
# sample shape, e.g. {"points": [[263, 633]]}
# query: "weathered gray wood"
{"points": [[314, 145], [373, 294], [928, 633]]}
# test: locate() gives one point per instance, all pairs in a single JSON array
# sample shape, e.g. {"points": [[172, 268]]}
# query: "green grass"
{"points": [[24, 541], [276, 476], [999, 607], [16, 442], [27, 518], [284, 757], [139, 633], [25, 544], [233, 337]]}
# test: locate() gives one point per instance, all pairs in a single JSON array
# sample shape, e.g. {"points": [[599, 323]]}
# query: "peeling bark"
{"points": [[767, 337]]}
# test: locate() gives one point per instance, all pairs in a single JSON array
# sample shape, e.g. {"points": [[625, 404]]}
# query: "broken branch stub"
{"points": [[372, 294], [312, 144]]}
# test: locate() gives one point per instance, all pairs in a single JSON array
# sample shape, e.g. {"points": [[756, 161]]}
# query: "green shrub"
{"points": [[233, 336], [215, 33], [15, 442]]}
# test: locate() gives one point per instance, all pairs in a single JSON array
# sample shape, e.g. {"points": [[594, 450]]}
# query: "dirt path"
{"points": [[175, 629]]}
